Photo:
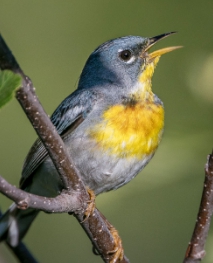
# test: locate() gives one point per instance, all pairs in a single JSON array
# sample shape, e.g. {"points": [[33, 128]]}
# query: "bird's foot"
{"points": [[118, 251], [91, 205]]}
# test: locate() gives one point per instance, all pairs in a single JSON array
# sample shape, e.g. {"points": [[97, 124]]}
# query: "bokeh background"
{"points": [[156, 212]]}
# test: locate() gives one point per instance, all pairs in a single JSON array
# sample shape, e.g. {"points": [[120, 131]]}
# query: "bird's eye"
{"points": [[125, 55]]}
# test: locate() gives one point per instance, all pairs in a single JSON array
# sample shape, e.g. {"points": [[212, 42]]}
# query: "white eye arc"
{"points": [[126, 55]]}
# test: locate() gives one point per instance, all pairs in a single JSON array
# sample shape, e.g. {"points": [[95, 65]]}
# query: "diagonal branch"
{"points": [[42, 124], [95, 227], [195, 251]]}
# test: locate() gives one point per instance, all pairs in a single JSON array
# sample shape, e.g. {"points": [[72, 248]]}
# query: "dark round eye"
{"points": [[125, 55]]}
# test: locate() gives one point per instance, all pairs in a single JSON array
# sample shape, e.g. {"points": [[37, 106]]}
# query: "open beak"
{"points": [[152, 41]]}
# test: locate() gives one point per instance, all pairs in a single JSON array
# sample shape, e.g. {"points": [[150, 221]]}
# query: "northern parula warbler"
{"points": [[111, 125]]}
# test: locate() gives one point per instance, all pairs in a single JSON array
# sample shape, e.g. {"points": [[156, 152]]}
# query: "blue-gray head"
{"points": [[120, 61]]}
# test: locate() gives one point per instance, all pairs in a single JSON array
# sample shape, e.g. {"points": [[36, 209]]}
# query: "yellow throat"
{"points": [[132, 130]]}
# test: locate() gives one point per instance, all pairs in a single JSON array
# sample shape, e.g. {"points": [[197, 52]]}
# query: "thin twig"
{"points": [[95, 227], [21, 252], [62, 203], [195, 251]]}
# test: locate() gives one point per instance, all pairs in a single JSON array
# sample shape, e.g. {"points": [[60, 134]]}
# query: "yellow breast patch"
{"points": [[130, 130]]}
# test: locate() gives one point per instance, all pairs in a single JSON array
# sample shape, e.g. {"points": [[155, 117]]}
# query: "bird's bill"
{"points": [[153, 40], [162, 51]]}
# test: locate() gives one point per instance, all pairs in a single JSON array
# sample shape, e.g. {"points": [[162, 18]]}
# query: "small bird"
{"points": [[111, 125]]}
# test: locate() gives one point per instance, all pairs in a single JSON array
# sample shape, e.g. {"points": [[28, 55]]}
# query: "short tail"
{"points": [[15, 223]]}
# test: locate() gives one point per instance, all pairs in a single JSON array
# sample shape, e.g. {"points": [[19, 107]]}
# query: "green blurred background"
{"points": [[156, 212]]}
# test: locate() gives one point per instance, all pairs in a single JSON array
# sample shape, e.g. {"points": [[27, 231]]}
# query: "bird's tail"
{"points": [[15, 223]]}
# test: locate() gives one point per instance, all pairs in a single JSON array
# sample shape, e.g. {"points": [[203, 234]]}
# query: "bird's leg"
{"points": [[118, 251], [91, 204]]}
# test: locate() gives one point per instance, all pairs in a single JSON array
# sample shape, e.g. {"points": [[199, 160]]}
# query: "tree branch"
{"points": [[95, 226], [195, 251], [62, 203]]}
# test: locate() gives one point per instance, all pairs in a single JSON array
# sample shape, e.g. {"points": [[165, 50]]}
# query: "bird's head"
{"points": [[124, 62]]}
